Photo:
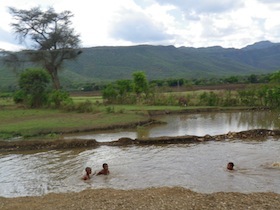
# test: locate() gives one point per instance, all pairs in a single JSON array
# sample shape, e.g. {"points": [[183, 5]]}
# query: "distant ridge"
{"points": [[260, 45], [170, 62], [159, 62]]}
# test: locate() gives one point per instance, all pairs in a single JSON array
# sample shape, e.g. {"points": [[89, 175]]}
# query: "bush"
{"points": [[209, 99], [109, 94], [33, 85], [83, 107], [68, 105], [110, 109], [19, 97], [56, 97]]}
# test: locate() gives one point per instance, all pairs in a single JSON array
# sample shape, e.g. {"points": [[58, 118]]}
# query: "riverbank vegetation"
{"points": [[128, 92], [119, 104]]}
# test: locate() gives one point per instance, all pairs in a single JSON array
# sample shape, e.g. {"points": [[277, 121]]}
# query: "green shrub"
{"points": [[110, 109], [56, 97], [84, 107], [68, 105], [209, 99], [19, 97]]}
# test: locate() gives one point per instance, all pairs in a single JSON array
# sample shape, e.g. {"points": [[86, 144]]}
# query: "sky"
{"points": [[190, 23]]}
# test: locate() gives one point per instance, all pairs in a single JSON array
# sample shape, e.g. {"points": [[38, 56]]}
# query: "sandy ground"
{"points": [[153, 198]]}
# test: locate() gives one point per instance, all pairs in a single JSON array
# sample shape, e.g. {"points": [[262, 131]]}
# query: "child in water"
{"points": [[105, 170], [230, 166], [88, 173]]}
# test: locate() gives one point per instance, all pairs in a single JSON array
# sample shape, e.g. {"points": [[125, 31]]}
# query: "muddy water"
{"points": [[194, 124], [200, 167]]}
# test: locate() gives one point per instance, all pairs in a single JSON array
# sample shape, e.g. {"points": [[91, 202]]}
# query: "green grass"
{"points": [[6, 101], [40, 121], [138, 108], [31, 122], [93, 99]]}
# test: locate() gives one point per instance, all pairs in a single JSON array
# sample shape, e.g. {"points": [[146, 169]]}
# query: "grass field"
{"points": [[31, 122], [18, 121]]}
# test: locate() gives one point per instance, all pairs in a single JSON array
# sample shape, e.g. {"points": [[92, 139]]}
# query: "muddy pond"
{"points": [[193, 124], [196, 166]]}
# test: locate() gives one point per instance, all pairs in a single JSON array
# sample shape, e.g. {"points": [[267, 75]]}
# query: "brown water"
{"points": [[200, 167], [193, 124]]}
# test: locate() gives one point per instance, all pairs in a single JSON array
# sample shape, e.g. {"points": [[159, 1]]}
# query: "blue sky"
{"points": [[191, 23]]}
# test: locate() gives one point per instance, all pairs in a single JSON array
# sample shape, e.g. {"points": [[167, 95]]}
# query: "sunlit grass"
{"points": [[8, 101], [93, 99], [32, 122]]}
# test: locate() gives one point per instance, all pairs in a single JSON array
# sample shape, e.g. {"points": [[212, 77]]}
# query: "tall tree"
{"points": [[140, 83], [53, 40]]}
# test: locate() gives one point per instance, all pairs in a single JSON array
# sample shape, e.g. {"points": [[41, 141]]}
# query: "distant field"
{"points": [[93, 99], [16, 120]]}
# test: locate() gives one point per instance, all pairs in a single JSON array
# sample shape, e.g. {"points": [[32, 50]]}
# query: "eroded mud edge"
{"points": [[255, 134]]}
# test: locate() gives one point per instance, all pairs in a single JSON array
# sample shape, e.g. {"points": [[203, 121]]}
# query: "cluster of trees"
{"points": [[182, 82], [139, 90], [35, 90], [39, 93], [127, 91], [263, 96]]}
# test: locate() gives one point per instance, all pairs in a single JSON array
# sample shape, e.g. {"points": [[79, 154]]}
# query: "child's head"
{"points": [[88, 170], [105, 165], [230, 166]]}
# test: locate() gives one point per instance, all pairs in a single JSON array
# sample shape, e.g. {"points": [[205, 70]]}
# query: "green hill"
{"points": [[111, 63], [159, 62]]}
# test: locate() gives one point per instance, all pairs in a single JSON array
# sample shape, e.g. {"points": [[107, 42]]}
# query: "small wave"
{"points": [[274, 165]]}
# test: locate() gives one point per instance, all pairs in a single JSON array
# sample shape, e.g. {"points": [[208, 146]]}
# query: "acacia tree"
{"points": [[53, 40]]}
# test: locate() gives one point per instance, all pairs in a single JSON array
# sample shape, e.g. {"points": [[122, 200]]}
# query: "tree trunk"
{"points": [[55, 79], [56, 82]]}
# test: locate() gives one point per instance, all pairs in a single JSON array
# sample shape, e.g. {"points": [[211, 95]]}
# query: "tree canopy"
{"points": [[140, 82], [53, 40], [33, 84]]}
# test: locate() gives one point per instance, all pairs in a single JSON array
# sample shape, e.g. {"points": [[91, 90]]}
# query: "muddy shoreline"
{"points": [[148, 199], [255, 134]]}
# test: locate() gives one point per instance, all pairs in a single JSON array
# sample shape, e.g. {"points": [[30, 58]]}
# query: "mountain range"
{"points": [[160, 62]]}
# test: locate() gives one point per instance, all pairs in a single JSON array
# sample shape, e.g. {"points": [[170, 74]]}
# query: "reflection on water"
{"points": [[195, 124], [200, 167], [216, 123]]}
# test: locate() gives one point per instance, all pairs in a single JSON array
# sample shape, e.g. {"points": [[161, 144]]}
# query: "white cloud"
{"points": [[197, 23], [204, 6]]}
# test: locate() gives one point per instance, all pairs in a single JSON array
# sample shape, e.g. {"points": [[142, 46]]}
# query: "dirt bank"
{"points": [[256, 134], [153, 198]]}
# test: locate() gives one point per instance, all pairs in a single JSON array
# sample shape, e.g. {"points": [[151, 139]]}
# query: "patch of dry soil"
{"points": [[152, 198]]}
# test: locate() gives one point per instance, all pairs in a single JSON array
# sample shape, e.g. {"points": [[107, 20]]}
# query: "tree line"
{"points": [[140, 91], [180, 82], [53, 41]]}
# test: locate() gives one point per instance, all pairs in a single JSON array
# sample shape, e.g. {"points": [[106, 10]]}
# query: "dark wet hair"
{"points": [[88, 168], [104, 164], [231, 163]]}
